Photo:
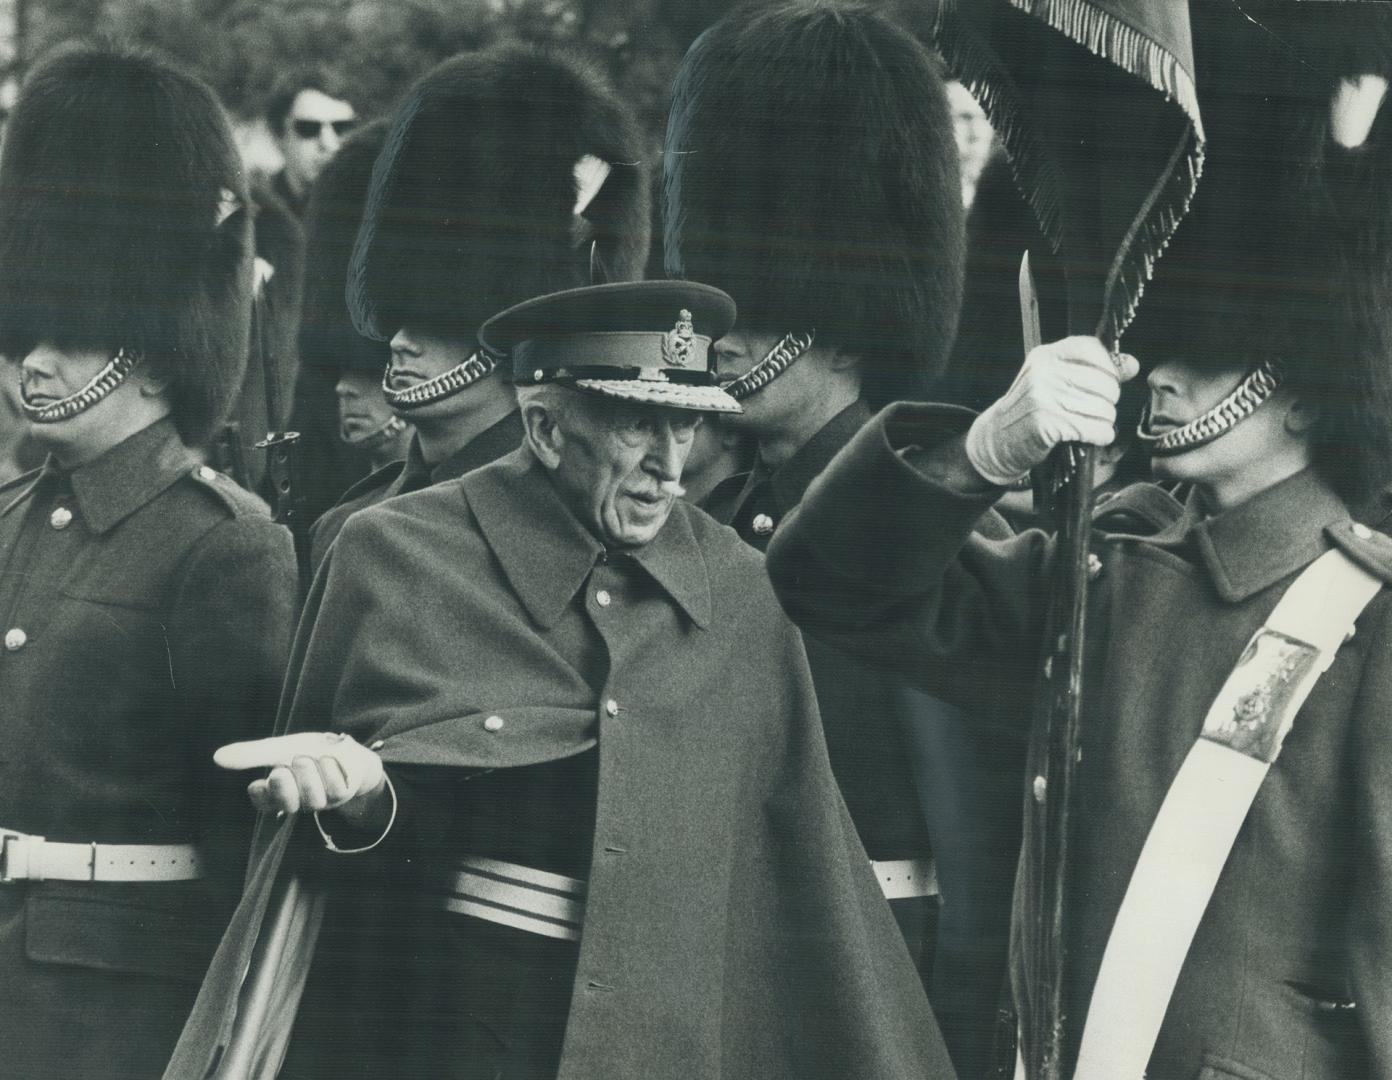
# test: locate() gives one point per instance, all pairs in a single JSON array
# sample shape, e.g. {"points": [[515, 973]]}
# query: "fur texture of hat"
{"points": [[1286, 253], [811, 171], [471, 207], [328, 340], [124, 224]]}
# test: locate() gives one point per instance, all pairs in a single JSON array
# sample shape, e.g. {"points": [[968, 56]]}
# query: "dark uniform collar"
{"points": [[484, 448], [791, 480], [111, 487], [1257, 543], [547, 554]]}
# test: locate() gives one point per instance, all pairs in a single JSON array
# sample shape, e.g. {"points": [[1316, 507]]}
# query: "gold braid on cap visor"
{"points": [[446, 384], [1251, 393], [99, 386], [779, 359], [378, 436]]}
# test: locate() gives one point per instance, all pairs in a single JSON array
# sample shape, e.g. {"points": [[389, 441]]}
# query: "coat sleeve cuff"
{"points": [[877, 513]]}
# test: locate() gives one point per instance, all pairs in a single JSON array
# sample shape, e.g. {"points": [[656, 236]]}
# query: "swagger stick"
{"points": [[1066, 486]]}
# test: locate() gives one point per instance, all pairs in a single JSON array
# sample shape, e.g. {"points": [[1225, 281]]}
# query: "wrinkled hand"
{"points": [[311, 770], [1354, 107], [1066, 392]]}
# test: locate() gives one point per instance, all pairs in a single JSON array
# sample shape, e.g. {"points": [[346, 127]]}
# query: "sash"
{"points": [[1204, 809]]}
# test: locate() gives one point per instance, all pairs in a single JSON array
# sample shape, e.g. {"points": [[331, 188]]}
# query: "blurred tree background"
{"points": [[241, 46]]}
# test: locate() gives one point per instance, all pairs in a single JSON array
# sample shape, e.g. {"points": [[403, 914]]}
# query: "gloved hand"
{"points": [[1066, 392], [1354, 107], [310, 770]]}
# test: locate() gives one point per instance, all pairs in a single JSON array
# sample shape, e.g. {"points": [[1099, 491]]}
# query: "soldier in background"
{"points": [[148, 599], [473, 207], [812, 173], [336, 363]]}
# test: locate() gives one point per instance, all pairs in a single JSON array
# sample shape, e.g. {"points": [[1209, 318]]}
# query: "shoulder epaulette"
{"points": [[237, 500], [1370, 549]]}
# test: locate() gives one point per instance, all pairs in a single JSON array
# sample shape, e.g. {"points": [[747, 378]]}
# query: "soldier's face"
{"points": [[621, 465], [417, 356], [362, 410], [1242, 460], [314, 129]]}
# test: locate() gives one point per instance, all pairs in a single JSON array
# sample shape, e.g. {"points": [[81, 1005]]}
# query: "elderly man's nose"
{"points": [[664, 459]]}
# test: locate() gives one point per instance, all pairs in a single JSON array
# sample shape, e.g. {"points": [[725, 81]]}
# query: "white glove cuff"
{"points": [[329, 840], [981, 452]]}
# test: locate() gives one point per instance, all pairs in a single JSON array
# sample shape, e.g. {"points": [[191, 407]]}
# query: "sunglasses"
{"points": [[312, 129]]}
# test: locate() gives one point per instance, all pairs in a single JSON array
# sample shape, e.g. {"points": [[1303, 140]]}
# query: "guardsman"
{"points": [[334, 357], [598, 765], [148, 601], [812, 172], [475, 205], [1231, 856]]}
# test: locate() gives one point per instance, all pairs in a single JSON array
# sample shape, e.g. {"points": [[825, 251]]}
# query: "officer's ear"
{"points": [[1301, 417], [543, 432]]}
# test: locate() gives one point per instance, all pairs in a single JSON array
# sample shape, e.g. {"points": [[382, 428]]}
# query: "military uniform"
{"points": [[1289, 974], [403, 477], [147, 606]]}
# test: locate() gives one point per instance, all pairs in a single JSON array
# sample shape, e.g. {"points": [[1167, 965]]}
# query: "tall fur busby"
{"points": [[1286, 253], [811, 172], [329, 343], [124, 224], [471, 207]]}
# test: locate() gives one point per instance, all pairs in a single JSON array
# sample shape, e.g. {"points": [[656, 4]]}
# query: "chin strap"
{"points": [[444, 385], [99, 386], [379, 436], [779, 359], [1251, 393]]}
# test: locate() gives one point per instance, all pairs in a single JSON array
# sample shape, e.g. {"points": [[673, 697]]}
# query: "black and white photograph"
{"points": [[695, 540]]}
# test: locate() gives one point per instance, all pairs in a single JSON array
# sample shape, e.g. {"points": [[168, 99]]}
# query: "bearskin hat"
{"points": [[329, 342], [124, 224], [472, 203], [811, 172], [1286, 253]]}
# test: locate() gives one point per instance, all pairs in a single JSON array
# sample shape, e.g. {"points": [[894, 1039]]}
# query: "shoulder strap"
{"points": [[1203, 812]]}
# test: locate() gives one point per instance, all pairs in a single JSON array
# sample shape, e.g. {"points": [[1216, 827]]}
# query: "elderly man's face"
{"points": [[621, 463]]}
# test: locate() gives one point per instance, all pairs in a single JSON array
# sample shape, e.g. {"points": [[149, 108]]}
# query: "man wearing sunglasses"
{"points": [[310, 115]]}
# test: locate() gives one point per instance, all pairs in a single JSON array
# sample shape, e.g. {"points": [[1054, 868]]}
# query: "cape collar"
{"points": [[1267, 538], [547, 554]]}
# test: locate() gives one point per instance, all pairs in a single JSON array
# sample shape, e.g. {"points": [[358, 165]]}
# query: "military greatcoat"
{"points": [[147, 607], [1290, 975], [733, 929]]}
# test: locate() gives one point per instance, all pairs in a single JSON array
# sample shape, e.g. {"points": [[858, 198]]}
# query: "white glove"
{"points": [[311, 770], [1354, 107], [1066, 392]]}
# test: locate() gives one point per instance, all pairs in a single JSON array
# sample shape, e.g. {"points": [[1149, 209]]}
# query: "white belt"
{"points": [[901, 879], [32, 858], [1204, 810], [553, 905]]}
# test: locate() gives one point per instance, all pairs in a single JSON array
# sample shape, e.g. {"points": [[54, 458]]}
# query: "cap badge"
{"points": [[679, 342]]}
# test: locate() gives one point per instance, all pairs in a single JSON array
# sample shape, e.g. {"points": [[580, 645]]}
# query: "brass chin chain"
{"points": [[1251, 393], [779, 360], [379, 437], [99, 386], [444, 385]]}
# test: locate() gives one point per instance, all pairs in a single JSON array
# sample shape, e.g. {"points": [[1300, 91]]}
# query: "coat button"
{"points": [[15, 639], [763, 524], [602, 598], [206, 472], [1362, 531], [493, 723], [1041, 789], [611, 706], [60, 518], [1094, 565]]}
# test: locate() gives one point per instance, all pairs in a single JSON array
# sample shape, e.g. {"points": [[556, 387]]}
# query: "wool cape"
{"points": [[743, 936]]}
